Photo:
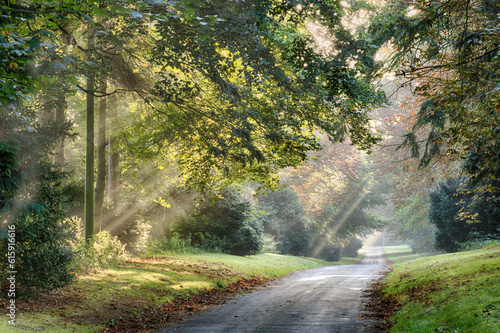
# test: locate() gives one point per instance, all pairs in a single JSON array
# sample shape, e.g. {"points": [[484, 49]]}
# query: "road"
{"points": [[327, 299]]}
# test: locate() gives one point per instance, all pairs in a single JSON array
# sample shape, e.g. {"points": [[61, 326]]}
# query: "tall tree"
{"points": [[89, 156], [101, 153], [113, 154]]}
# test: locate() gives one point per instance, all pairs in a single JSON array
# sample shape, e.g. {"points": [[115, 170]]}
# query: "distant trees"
{"points": [[237, 224], [336, 192]]}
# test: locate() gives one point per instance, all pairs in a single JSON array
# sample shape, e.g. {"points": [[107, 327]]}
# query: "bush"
{"points": [[38, 239], [476, 244], [325, 247], [330, 252], [294, 240], [32, 198], [42, 253], [135, 236], [269, 244], [105, 251], [226, 225], [352, 247], [133, 230], [172, 245], [247, 240]]}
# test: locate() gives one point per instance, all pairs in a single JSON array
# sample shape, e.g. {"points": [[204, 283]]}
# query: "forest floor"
{"points": [[144, 294]]}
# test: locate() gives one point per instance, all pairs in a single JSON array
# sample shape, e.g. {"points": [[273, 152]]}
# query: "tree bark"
{"points": [[44, 115], [113, 156], [89, 155], [101, 155], [60, 116]]}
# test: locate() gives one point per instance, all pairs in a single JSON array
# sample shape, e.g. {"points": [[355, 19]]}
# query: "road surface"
{"points": [[327, 299]]}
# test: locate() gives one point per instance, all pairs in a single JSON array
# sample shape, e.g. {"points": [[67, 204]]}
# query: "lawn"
{"points": [[457, 292]]}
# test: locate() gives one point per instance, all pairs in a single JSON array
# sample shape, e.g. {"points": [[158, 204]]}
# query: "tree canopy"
{"points": [[447, 52]]}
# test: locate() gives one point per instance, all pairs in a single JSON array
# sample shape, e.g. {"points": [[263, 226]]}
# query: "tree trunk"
{"points": [[113, 156], [44, 115], [89, 155], [60, 116], [101, 155]]}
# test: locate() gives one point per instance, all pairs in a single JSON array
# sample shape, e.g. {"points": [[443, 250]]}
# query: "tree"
{"points": [[335, 190], [226, 225], [447, 51], [242, 89], [101, 153], [31, 201], [284, 219], [113, 156], [89, 155], [400, 180], [235, 91], [461, 214]]}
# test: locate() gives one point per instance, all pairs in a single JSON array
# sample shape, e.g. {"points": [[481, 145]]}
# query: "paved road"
{"points": [[326, 299]]}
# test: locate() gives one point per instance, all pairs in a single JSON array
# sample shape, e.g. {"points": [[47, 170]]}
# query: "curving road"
{"points": [[326, 299]]}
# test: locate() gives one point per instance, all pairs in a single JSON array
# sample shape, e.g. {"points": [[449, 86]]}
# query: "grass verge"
{"points": [[457, 292], [142, 286]]}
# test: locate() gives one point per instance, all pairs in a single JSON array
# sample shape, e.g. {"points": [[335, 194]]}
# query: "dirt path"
{"points": [[327, 299]]}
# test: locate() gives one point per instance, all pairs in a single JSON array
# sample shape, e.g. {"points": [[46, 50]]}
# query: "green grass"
{"points": [[448, 293], [349, 261], [96, 299], [46, 322], [398, 257], [393, 249], [266, 265]]}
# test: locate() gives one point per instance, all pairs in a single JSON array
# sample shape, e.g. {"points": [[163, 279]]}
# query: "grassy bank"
{"points": [[447, 293], [95, 301], [400, 253]]}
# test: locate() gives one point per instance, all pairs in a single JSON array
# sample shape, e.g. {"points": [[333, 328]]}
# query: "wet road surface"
{"points": [[327, 299]]}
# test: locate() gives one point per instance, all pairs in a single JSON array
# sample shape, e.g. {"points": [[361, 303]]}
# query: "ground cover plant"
{"points": [[457, 292], [148, 293]]}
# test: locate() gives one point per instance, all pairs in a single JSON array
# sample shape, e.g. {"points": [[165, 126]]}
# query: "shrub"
{"points": [[136, 237], [247, 240], [325, 247], [330, 252], [294, 239], [42, 254], [39, 239], [269, 244], [476, 244], [172, 245], [225, 225], [32, 198], [105, 251], [352, 247]]}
